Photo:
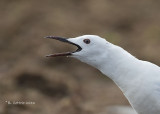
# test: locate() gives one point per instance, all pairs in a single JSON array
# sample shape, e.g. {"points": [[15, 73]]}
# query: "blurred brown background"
{"points": [[65, 85]]}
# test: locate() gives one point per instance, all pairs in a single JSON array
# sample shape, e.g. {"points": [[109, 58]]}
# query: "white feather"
{"points": [[139, 80]]}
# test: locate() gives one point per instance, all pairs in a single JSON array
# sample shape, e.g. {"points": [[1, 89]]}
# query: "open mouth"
{"points": [[66, 41]]}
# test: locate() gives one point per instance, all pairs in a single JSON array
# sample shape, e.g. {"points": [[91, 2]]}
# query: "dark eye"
{"points": [[87, 41]]}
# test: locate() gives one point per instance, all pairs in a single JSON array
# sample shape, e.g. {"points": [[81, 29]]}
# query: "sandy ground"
{"points": [[65, 85]]}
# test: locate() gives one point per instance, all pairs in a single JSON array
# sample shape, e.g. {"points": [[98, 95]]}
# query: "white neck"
{"points": [[118, 66], [126, 71]]}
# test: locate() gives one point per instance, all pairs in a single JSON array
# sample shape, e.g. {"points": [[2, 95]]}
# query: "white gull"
{"points": [[138, 80]]}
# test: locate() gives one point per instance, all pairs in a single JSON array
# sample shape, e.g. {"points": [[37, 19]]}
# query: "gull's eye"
{"points": [[87, 41]]}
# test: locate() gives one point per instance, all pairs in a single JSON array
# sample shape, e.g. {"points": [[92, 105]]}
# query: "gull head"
{"points": [[90, 48]]}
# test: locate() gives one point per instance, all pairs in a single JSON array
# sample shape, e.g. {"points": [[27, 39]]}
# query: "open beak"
{"points": [[66, 41]]}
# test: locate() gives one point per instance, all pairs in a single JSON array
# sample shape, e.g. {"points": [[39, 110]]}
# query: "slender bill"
{"points": [[66, 41]]}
